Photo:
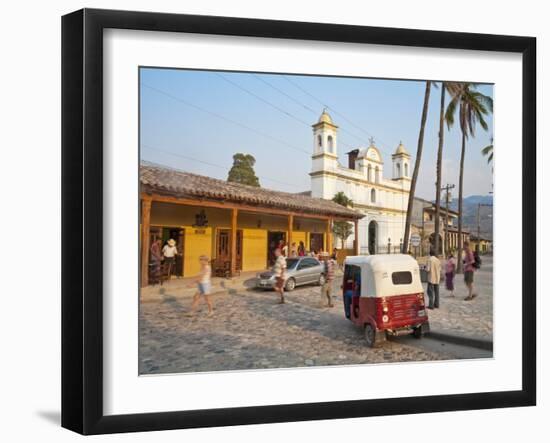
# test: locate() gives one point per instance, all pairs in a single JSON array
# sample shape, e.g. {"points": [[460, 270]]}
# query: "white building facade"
{"points": [[382, 200]]}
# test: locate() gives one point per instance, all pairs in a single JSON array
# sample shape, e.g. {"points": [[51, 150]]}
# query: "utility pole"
{"points": [[447, 189], [479, 205]]}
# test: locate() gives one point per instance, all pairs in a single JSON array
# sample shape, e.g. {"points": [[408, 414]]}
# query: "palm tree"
{"points": [[416, 167], [438, 166], [488, 151], [472, 107]]}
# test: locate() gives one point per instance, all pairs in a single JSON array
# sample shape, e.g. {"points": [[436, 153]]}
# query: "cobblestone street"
{"points": [[467, 318], [249, 330]]}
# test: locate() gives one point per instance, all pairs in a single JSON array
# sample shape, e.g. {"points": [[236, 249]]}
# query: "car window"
{"points": [[307, 263], [291, 263]]}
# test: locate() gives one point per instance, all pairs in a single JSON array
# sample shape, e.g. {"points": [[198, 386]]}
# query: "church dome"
{"points": [[325, 118], [401, 150]]}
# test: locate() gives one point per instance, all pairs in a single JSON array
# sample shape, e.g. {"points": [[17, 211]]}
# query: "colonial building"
{"points": [[236, 226], [382, 200], [423, 224]]}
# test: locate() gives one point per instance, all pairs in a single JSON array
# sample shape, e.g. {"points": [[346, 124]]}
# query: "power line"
{"points": [[285, 94], [225, 168], [324, 104], [267, 102], [221, 117]]}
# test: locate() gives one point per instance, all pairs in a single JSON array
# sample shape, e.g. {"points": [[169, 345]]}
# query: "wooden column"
{"points": [[233, 236], [145, 237], [329, 235], [356, 241], [289, 239]]}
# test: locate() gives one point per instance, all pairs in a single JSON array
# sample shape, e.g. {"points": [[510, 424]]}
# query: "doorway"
{"points": [[316, 242], [178, 235], [223, 247], [373, 228], [273, 240]]}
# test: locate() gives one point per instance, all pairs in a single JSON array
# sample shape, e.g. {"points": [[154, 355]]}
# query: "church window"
{"points": [[373, 195], [406, 169], [377, 174], [398, 166], [330, 144], [369, 173], [319, 142]]}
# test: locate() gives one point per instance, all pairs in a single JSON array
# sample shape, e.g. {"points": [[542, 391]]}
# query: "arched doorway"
{"points": [[432, 243], [373, 231]]}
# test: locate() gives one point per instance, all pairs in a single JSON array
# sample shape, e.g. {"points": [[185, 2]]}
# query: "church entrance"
{"points": [[373, 228]]}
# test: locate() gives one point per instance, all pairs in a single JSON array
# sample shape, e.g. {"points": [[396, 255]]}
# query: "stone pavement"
{"points": [[250, 331], [471, 319]]}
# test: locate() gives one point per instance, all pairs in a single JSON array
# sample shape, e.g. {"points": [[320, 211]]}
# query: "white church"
{"points": [[382, 200]]}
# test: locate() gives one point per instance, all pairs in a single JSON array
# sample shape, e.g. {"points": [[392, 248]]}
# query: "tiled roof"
{"points": [[172, 182]]}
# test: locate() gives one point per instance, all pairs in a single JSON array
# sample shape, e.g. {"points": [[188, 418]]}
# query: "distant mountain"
{"points": [[470, 210]]}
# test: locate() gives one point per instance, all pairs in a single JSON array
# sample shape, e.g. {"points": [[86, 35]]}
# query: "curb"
{"points": [[461, 340]]}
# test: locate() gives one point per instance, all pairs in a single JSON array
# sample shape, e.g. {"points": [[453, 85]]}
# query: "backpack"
{"points": [[477, 261]]}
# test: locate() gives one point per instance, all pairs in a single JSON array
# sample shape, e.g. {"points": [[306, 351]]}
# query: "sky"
{"points": [[196, 120]]}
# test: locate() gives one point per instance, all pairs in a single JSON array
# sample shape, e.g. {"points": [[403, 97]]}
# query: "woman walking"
{"points": [[203, 285], [450, 271]]}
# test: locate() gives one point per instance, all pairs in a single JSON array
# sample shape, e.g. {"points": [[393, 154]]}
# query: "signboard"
{"points": [[415, 240]]}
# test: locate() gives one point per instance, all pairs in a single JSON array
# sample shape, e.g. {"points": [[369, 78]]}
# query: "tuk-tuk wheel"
{"points": [[372, 336], [417, 333]]}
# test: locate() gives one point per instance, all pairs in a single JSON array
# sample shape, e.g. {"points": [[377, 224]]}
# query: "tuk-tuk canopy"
{"points": [[386, 275]]}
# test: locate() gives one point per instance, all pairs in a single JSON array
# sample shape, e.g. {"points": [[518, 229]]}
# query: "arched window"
{"points": [[369, 173], [406, 169], [373, 195], [376, 174], [398, 169], [330, 144], [320, 143]]}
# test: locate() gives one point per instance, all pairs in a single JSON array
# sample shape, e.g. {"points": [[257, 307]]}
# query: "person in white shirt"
{"points": [[434, 276], [279, 269], [169, 253]]}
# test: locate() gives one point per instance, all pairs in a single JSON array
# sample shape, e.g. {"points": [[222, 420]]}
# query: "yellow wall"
{"points": [[254, 249], [198, 241], [298, 236]]}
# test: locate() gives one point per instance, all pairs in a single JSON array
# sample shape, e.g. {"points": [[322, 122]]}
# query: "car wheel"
{"points": [[321, 281], [290, 285]]}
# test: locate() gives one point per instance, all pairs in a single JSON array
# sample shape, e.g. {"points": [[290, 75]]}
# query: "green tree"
{"points": [[472, 106], [416, 167], [342, 229], [342, 199], [242, 170]]}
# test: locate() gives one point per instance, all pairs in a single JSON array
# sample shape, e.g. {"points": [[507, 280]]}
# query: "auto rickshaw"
{"points": [[384, 295]]}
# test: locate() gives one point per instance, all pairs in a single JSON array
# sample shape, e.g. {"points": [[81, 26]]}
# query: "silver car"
{"points": [[299, 271]]}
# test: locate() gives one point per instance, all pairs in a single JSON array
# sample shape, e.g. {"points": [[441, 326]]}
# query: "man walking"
{"points": [[326, 289], [279, 269], [469, 268], [434, 275]]}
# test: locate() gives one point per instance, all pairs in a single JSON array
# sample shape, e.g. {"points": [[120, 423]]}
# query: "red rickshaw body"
{"points": [[386, 292]]}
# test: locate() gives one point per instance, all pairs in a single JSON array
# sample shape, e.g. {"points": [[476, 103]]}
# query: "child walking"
{"points": [[204, 285]]}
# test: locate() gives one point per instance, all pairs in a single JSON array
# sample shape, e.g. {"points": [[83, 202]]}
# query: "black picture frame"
{"points": [[82, 218]]}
